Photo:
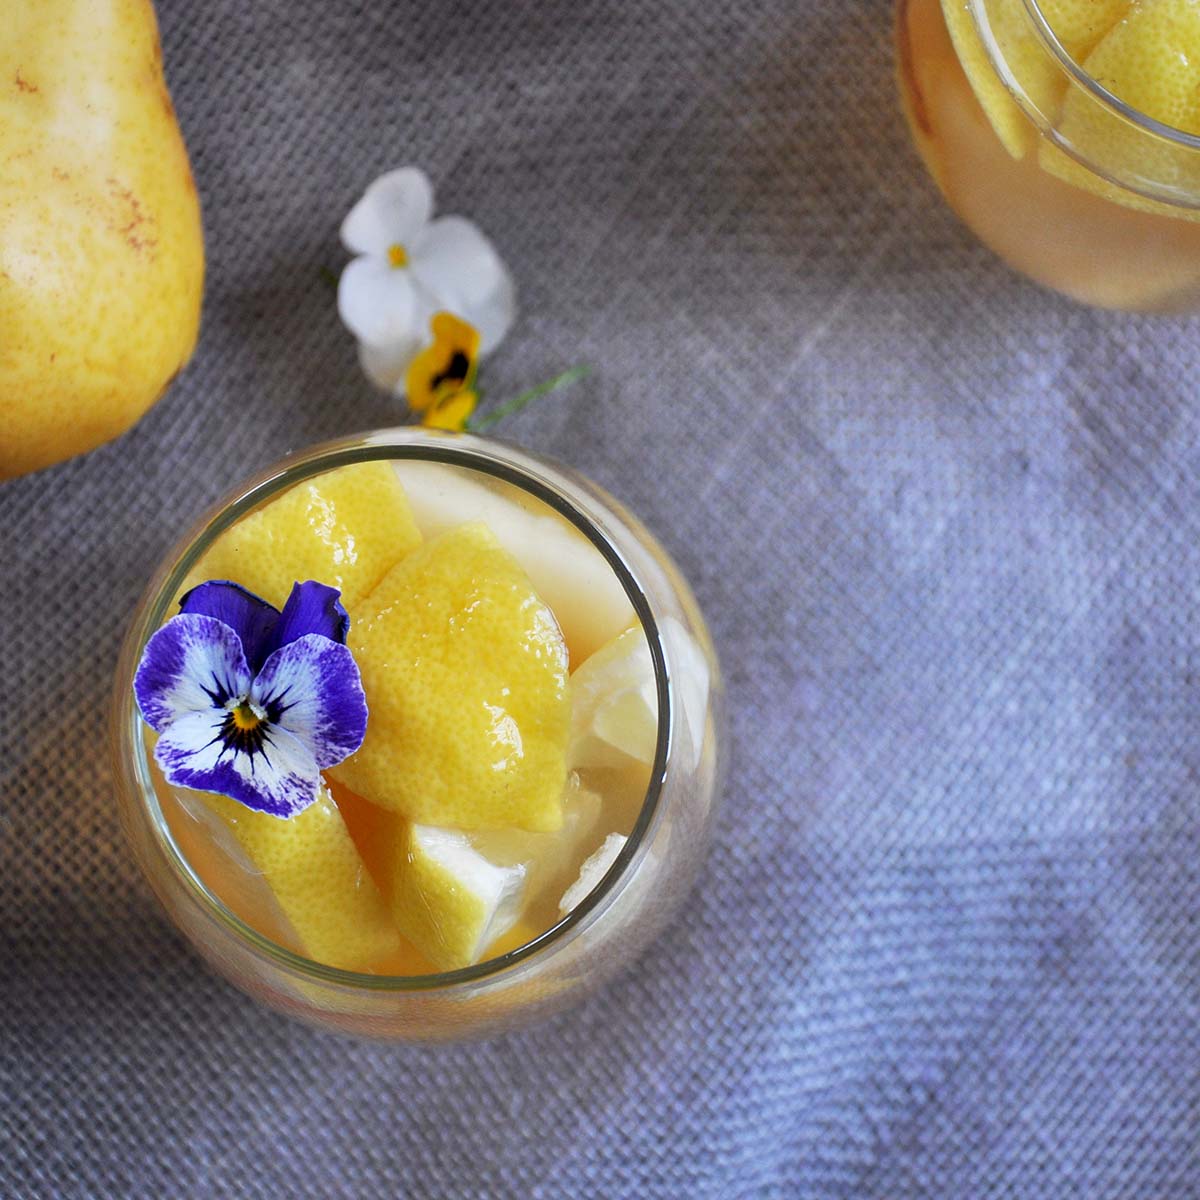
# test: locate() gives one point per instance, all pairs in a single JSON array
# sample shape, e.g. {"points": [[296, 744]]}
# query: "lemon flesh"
{"points": [[316, 876], [594, 869], [465, 673], [345, 528], [550, 860], [431, 868], [447, 899]]}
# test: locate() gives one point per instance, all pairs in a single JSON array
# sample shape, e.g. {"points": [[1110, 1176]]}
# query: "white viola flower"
{"points": [[410, 267]]}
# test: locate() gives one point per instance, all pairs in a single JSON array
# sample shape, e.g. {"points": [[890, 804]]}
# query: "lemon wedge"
{"points": [[1078, 25], [447, 899], [314, 873], [614, 712], [566, 570], [465, 673], [344, 528], [551, 860], [1151, 61]]}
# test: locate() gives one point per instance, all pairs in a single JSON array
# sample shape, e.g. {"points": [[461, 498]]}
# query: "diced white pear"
{"points": [[614, 705], [594, 868]]}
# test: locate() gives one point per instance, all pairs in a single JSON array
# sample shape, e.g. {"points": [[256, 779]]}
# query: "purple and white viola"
{"points": [[250, 701]]}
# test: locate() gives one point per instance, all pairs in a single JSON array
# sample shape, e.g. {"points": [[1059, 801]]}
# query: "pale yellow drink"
{"points": [[352, 883]]}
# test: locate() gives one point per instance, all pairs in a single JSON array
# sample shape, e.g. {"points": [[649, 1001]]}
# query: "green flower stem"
{"points": [[519, 402]]}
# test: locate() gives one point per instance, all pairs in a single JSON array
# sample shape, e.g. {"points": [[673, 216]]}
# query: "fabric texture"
{"points": [[944, 526]]}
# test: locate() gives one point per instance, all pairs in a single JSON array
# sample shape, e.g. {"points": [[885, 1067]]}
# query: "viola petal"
{"points": [[393, 210], [456, 263], [376, 302], [248, 615], [451, 413], [312, 607], [387, 365], [193, 664], [493, 315], [311, 689], [281, 778]]}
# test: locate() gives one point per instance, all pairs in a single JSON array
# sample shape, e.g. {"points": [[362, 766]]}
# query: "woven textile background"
{"points": [[947, 531]]}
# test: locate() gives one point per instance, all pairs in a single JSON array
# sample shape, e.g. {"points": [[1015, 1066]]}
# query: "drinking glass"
{"points": [[642, 891], [1062, 179]]}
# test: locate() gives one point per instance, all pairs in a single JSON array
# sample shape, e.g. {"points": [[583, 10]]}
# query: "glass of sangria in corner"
{"points": [[1064, 134]]}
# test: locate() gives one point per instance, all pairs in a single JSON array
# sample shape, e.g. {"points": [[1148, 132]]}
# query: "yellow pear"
{"points": [[101, 250]]}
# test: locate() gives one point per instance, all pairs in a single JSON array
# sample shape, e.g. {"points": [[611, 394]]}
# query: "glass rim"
{"points": [[462, 450], [1090, 83]]}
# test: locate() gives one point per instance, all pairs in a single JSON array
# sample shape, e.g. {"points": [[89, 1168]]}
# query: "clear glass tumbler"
{"points": [[1066, 182], [643, 889]]}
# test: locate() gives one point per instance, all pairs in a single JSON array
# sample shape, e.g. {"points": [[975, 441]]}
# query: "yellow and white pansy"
{"points": [[410, 266], [441, 378]]}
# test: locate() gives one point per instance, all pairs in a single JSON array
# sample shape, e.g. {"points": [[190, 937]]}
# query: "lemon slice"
{"points": [[314, 873], [1078, 24], [566, 570], [447, 899], [344, 528], [465, 673], [1151, 61], [614, 711], [594, 869]]}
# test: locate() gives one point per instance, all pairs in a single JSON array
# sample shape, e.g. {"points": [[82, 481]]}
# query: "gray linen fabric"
{"points": [[944, 526]]}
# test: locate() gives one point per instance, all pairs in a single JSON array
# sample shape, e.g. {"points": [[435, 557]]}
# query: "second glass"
{"points": [[1070, 185]]}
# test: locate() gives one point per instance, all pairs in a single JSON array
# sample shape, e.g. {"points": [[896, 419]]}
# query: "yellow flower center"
{"points": [[397, 255], [245, 717]]}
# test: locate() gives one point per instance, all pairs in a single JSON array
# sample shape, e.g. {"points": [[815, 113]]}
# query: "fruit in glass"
{"points": [[534, 792]]}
